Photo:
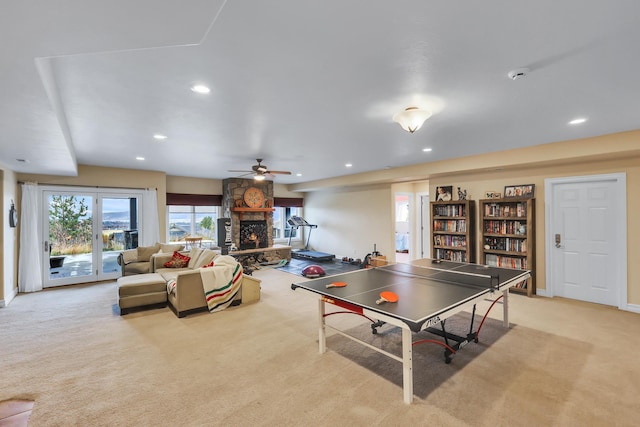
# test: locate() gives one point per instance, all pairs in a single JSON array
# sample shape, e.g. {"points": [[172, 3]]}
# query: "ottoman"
{"points": [[141, 291]]}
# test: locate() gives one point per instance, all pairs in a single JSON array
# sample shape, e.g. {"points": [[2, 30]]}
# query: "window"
{"points": [[193, 221], [281, 228]]}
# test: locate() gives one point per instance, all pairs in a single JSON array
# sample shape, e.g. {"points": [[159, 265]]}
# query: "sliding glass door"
{"points": [[83, 233]]}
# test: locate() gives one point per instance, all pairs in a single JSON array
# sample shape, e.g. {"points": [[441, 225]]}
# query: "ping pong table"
{"points": [[429, 292]]}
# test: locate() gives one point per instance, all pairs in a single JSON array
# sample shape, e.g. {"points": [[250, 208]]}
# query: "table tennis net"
{"points": [[475, 276]]}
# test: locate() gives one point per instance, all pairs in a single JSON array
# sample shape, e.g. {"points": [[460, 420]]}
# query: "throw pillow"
{"points": [[177, 261], [145, 252]]}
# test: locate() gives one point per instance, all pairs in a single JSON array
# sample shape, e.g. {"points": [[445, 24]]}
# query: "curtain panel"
{"points": [[29, 261]]}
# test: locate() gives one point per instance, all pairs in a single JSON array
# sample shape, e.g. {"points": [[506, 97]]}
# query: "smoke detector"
{"points": [[518, 73]]}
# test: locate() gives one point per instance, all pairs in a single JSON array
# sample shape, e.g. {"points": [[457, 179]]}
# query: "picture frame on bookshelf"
{"points": [[524, 191], [443, 193], [492, 194]]}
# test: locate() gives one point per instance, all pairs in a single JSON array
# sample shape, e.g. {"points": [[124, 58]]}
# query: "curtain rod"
{"points": [[89, 186]]}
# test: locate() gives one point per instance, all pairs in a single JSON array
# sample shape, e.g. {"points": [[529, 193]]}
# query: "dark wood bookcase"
{"points": [[453, 230], [507, 228]]}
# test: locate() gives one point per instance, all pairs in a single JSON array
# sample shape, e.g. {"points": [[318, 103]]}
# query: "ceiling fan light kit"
{"points": [[412, 118]]}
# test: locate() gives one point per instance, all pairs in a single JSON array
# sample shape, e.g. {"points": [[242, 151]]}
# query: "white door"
{"points": [[586, 246], [403, 225], [425, 220], [83, 233]]}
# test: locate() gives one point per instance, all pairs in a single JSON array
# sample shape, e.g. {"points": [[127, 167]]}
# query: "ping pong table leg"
{"points": [[505, 308], [407, 365], [322, 336]]}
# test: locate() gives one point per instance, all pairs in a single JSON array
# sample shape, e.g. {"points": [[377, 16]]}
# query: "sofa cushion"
{"points": [[177, 261], [167, 248], [130, 255], [194, 254], [145, 252], [205, 258], [140, 284], [137, 268]]}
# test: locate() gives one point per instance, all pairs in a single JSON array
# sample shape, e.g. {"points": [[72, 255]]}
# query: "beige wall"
{"points": [[186, 185], [351, 221], [8, 238]]}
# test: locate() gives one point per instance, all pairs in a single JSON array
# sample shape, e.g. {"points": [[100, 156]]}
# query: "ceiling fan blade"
{"points": [[279, 172], [234, 170]]}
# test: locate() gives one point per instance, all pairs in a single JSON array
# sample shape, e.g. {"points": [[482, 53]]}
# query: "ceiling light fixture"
{"points": [[426, 150], [259, 177], [412, 118], [160, 136], [140, 158], [200, 89], [518, 73], [577, 121]]}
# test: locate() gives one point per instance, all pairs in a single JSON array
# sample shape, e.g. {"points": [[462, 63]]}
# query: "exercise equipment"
{"points": [[313, 271], [297, 222]]}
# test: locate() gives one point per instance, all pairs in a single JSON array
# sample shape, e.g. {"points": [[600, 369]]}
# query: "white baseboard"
{"points": [[8, 298], [635, 308], [541, 292]]}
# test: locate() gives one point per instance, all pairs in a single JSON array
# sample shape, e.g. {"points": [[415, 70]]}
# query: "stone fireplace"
{"points": [[234, 207]]}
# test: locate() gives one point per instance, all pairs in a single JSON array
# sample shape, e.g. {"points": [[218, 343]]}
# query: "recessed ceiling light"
{"points": [[577, 121], [348, 165], [140, 158], [200, 89], [426, 150], [160, 136], [298, 174]]}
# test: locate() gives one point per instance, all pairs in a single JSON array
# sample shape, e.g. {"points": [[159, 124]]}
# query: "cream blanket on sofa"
{"points": [[221, 282]]}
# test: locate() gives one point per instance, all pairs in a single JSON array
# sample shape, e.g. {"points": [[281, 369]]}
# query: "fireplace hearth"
{"points": [[254, 235]]}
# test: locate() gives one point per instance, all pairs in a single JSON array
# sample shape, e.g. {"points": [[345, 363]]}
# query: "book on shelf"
{"points": [[519, 210], [453, 225]]}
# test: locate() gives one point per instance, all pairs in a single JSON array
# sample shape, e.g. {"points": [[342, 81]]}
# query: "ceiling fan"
{"points": [[260, 171]]}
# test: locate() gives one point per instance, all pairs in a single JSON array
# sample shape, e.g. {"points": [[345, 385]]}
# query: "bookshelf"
{"points": [[453, 230], [507, 228]]}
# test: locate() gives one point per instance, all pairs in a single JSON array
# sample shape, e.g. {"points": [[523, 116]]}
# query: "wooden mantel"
{"points": [[241, 211]]}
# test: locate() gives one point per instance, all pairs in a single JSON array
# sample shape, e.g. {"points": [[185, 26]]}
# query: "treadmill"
{"points": [[297, 222]]}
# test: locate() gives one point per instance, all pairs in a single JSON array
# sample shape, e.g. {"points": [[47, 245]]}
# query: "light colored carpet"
{"points": [[563, 363]]}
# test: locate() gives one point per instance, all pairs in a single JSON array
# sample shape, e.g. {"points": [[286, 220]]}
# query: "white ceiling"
{"points": [[306, 85]]}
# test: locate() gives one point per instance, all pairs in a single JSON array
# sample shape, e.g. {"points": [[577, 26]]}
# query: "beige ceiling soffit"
{"points": [[43, 66]]}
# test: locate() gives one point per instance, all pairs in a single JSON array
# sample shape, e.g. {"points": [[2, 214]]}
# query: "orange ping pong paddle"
{"points": [[336, 285], [387, 296]]}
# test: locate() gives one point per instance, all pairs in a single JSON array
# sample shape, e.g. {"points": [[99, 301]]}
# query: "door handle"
{"points": [[558, 240]]}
